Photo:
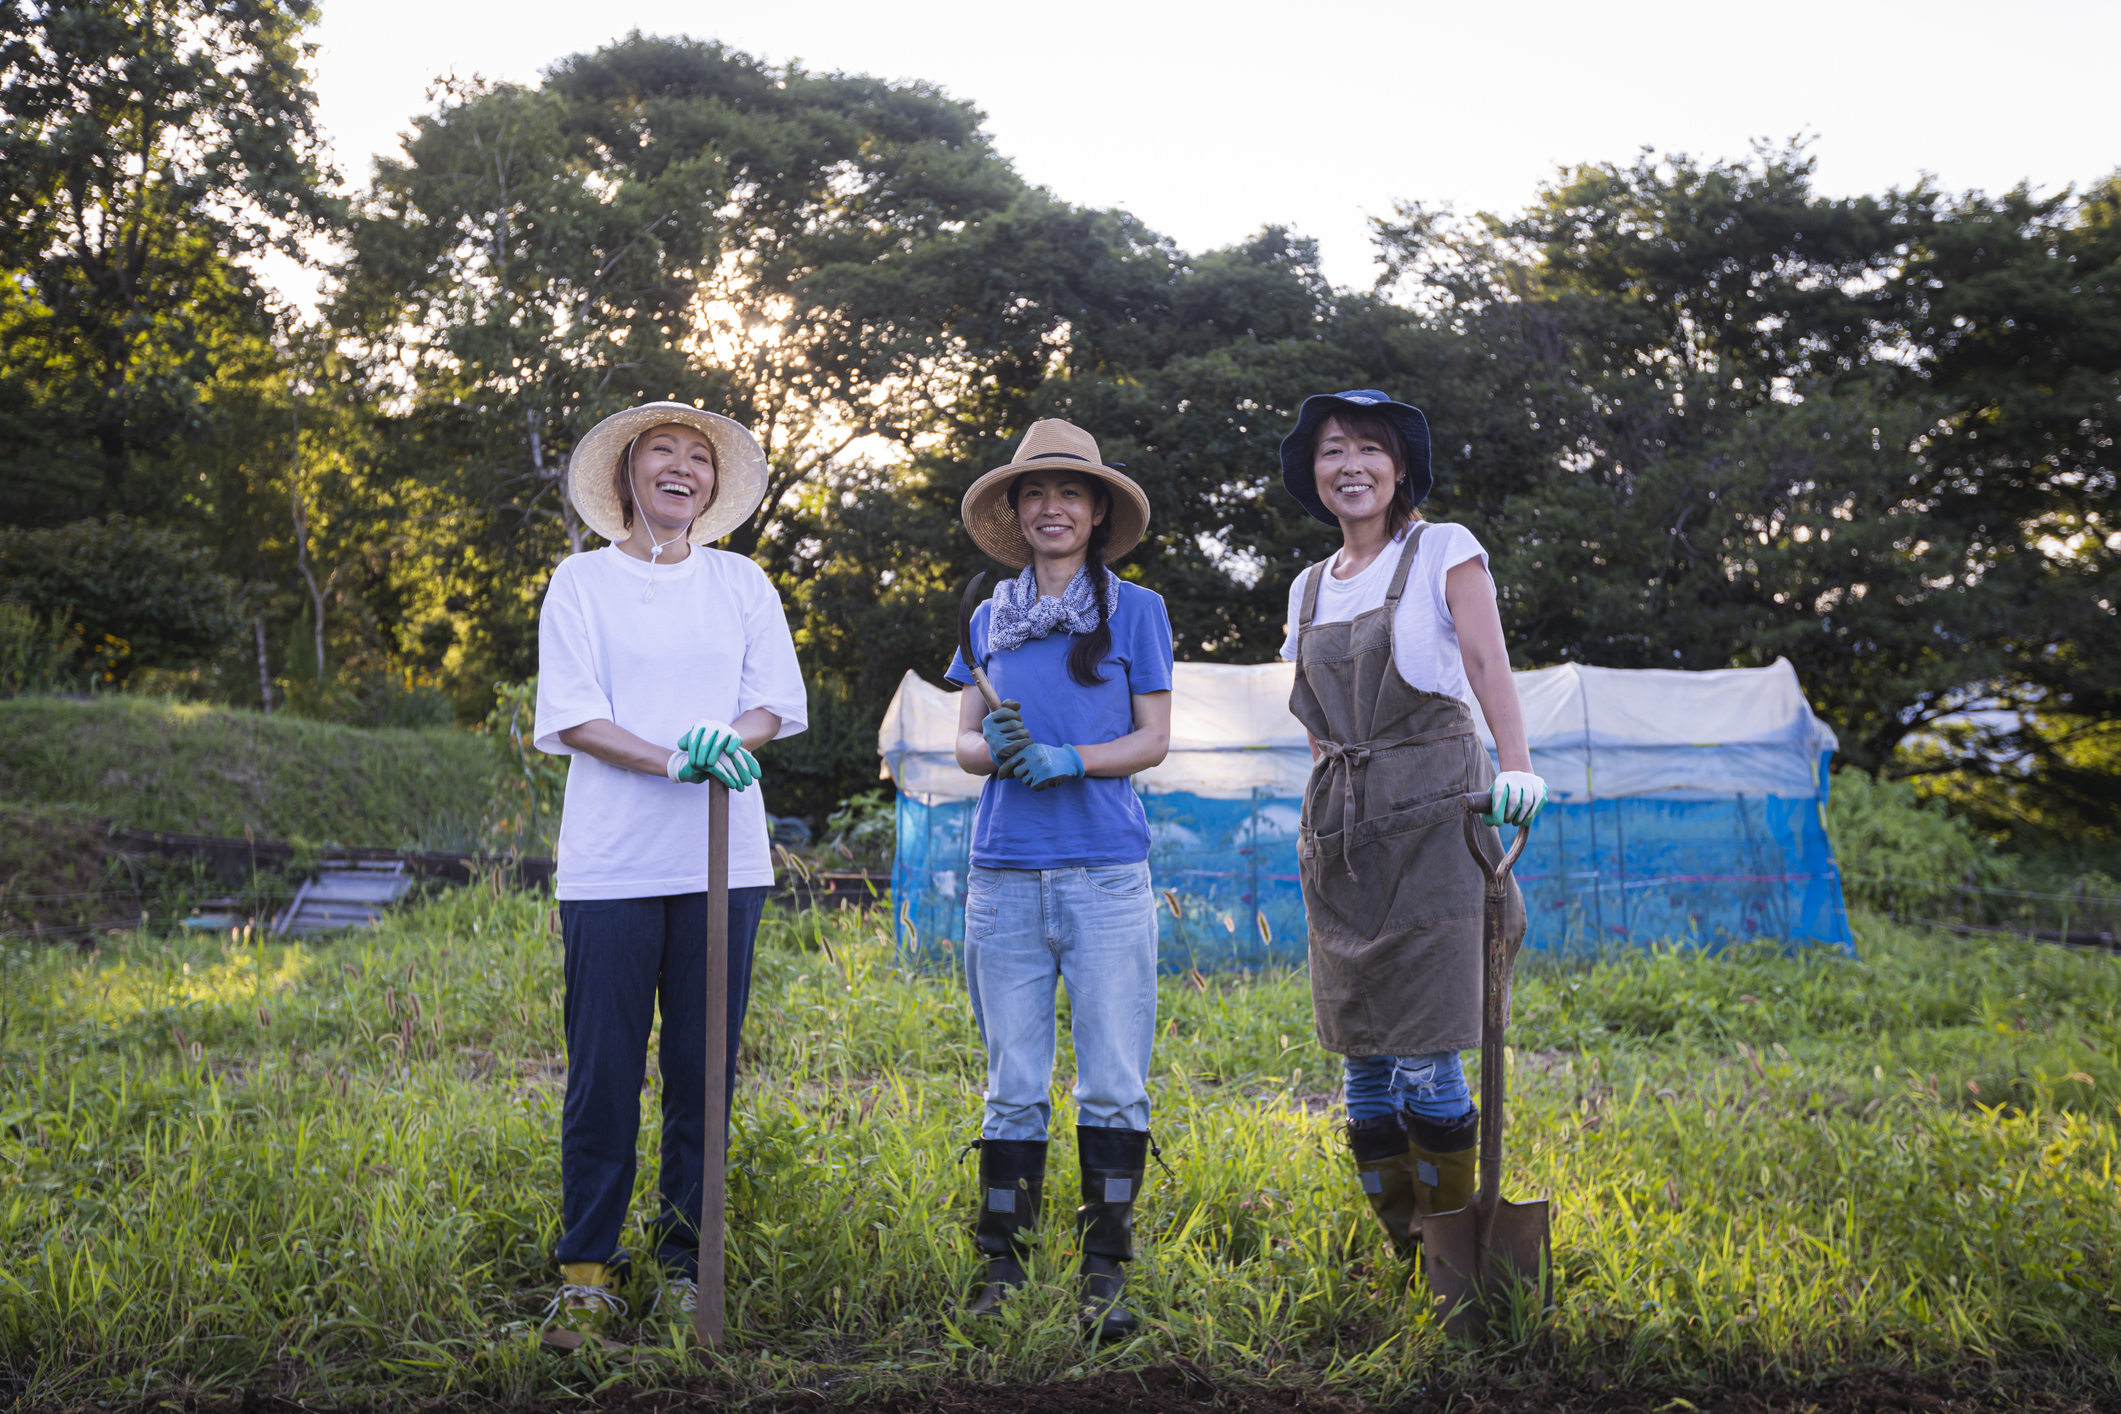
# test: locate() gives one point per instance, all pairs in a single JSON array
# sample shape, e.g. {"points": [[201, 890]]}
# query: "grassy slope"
{"points": [[209, 770], [333, 1171]]}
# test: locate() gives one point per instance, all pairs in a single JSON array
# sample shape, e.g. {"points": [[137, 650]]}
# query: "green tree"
{"points": [[1706, 417], [651, 222], [148, 147]]}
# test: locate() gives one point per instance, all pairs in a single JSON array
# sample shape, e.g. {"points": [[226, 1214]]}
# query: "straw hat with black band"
{"points": [[1052, 445], [739, 470]]}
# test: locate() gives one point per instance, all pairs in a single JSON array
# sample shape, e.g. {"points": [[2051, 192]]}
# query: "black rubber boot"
{"points": [[1385, 1168], [1114, 1162], [1444, 1160], [1012, 1180]]}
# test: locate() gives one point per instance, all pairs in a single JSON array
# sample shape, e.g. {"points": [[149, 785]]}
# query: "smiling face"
{"points": [[1356, 472], [1056, 510], [673, 477]]}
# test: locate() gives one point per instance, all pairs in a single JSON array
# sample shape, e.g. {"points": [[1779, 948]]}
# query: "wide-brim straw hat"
{"points": [[739, 470], [1059, 446]]}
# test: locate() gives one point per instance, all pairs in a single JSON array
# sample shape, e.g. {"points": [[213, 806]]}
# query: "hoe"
{"points": [[1476, 1256]]}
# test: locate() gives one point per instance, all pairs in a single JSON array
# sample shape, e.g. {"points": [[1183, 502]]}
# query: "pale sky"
{"points": [[1209, 121]]}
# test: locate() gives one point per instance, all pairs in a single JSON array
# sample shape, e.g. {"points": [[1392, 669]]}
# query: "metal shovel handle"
{"points": [[1476, 804]]}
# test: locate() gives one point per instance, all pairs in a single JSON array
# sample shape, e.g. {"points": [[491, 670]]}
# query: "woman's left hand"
{"points": [[713, 749], [1044, 767], [1515, 799]]}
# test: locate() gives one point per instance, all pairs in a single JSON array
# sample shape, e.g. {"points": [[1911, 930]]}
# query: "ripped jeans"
{"points": [[1432, 1086]]}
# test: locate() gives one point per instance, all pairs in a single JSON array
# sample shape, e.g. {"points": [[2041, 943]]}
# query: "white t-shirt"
{"points": [[1424, 639], [713, 642]]}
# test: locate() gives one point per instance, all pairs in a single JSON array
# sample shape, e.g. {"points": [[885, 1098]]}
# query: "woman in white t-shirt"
{"points": [[1390, 637], [662, 663]]}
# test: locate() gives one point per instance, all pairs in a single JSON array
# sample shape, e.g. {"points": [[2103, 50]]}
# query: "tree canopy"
{"points": [[1699, 413]]}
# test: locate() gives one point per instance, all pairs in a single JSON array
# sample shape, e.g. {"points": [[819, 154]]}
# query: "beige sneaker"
{"points": [[587, 1299], [683, 1295]]}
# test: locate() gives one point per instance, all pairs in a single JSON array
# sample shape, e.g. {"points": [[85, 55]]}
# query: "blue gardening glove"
{"points": [[1005, 732], [1044, 767], [1515, 799]]}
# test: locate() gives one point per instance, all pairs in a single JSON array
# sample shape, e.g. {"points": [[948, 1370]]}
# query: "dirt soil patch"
{"points": [[1180, 1387]]}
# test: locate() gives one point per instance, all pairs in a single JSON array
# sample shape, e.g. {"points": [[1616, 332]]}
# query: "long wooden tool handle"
{"points": [[986, 689], [714, 1192]]}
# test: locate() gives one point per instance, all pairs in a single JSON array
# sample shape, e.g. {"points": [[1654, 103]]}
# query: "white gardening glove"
{"points": [[1515, 799]]}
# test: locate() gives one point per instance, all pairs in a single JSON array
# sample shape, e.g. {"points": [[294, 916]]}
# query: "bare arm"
{"points": [[615, 746], [1471, 595], [1147, 745]]}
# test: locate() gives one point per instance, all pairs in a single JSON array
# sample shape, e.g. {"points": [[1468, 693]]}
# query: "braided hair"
{"points": [[1090, 648]]}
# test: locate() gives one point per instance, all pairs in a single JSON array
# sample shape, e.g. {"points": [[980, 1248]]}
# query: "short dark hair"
{"points": [[1375, 426], [622, 474]]}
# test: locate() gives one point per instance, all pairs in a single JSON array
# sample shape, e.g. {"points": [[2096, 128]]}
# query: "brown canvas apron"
{"points": [[1392, 898]]}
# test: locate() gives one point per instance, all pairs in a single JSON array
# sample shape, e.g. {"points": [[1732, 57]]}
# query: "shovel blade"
{"points": [[1470, 1284]]}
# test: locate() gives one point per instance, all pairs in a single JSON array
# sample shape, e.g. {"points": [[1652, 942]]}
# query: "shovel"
{"points": [[1490, 1247], [714, 1192]]}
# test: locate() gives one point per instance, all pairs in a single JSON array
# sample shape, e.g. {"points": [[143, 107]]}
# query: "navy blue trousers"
{"points": [[623, 955]]}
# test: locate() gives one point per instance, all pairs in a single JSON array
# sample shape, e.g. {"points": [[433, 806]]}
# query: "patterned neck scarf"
{"points": [[1019, 614]]}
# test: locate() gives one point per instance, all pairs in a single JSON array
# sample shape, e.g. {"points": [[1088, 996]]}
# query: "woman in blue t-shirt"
{"points": [[1060, 848]]}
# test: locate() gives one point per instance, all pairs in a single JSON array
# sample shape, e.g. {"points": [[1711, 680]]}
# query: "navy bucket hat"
{"points": [[1296, 474]]}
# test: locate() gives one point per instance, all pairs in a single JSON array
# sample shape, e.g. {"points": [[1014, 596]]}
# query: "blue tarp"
{"points": [[1685, 807], [1595, 875]]}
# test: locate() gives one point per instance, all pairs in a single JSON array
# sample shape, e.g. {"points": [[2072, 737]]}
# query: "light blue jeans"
{"points": [[1095, 929], [1432, 1086]]}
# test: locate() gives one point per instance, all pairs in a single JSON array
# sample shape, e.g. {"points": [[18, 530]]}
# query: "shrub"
{"points": [[137, 596], [1902, 854], [864, 827], [35, 655]]}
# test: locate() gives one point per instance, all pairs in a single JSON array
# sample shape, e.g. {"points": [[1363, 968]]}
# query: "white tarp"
{"points": [[1594, 732]]}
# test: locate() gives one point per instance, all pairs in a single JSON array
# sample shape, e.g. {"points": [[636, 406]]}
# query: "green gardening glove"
{"points": [[712, 750]]}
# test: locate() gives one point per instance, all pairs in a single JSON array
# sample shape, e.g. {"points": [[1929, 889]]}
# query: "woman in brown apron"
{"points": [[1390, 637]]}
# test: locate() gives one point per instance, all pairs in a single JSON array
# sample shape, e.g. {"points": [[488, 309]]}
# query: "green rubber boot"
{"points": [[1384, 1166], [1444, 1160]]}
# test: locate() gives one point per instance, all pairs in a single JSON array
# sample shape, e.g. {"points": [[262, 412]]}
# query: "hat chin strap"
{"points": [[655, 554]]}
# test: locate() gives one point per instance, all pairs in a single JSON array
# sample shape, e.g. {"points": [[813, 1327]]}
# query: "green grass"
{"points": [[162, 765], [331, 1170]]}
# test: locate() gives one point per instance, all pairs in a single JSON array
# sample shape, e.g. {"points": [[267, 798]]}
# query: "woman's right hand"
{"points": [[712, 749], [1005, 733]]}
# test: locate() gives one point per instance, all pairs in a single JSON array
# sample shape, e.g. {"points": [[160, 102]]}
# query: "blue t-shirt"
{"points": [[1094, 820]]}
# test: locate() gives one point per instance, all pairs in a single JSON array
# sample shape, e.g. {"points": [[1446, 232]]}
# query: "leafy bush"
{"points": [[864, 829], [833, 758], [372, 695], [529, 785], [136, 596], [1902, 854], [35, 655]]}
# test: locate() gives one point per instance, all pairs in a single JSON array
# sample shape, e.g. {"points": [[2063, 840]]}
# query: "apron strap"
{"points": [[1406, 562], [1310, 600]]}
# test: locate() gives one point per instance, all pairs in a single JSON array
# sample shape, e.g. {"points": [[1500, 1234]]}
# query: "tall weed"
{"points": [[330, 1170]]}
